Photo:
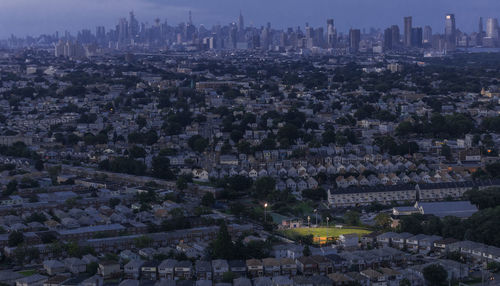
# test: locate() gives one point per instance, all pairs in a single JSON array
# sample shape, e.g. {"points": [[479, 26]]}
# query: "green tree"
{"points": [[435, 274], [222, 247], [306, 251], [198, 143], [446, 152], [352, 218], [11, 188], [208, 200], [143, 241], [404, 282], [161, 168], [264, 186], [228, 277], [383, 220], [15, 238]]}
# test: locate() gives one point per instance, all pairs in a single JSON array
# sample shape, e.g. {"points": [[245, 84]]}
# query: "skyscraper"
{"points": [[450, 32], [408, 26], [427, 34], [492, 28], [395, 36], [387, 39], [331, 33], [480, 33], [241, 23], [416, 37], [354, 39]]}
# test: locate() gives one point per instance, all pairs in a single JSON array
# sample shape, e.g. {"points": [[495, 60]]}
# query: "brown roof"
{"points": [[270, 262], [254, 262]]}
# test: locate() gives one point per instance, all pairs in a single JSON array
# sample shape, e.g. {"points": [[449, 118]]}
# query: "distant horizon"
{"points": [[23, 18]]}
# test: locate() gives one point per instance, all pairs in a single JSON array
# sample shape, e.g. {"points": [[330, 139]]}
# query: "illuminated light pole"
{"points": [[265, 212], [309, 221]]}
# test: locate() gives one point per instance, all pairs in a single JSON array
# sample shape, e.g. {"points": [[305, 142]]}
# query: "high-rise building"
{"points": [[133, 26], [427, 34], [492, 28], [450, 32], [354, 39], [408, 27], [122, 31], [331, 33], [241, 23], [480, 33], [395, 36], [416, 37], [387, 39]]}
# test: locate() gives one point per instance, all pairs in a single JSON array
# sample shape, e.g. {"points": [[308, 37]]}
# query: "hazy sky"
{"points": [[33, 17]]}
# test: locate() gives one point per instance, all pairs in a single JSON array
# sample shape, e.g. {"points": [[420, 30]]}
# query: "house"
{"points": [[288, 266], [53, 267], [33, 280], [56, 280], [255, 268], [376, 278], [9, 277], [242, 281], [238, 267], [340, 279], [203, 270], [95, 280], [443, 245], [281, 281], [219, 267], [271, 267], [391, 276], [262, 281], [132, 270], [149, 270], [109, 269], [184, 269], [306, 265], [325, 266], [166, 269], [349, 240], [385, 239], [75, 265]]}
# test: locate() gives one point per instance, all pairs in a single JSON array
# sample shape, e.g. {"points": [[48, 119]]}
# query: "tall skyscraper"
{"points": [[354, 39], [331, 33], [480, 33], [133, 27], [450, 32], [416, 37], [388, 39], [395, 36], [408, 26], [241, 23], [427, 34], [492, 28]]}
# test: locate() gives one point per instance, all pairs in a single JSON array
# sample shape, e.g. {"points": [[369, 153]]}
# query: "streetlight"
{"points": [[265, 212], [316, 212], [327, 220], [309, 221]]}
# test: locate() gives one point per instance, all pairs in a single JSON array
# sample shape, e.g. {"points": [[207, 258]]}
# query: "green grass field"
{"points": [[323, 231]]}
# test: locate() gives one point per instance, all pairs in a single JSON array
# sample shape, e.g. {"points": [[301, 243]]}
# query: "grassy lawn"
{"points": [[323, 231], [28, 272]]}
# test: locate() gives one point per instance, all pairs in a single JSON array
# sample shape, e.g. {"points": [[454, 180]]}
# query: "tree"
{"points": [[137, 152], [113, 202], [208, 200], [228, 277], [264, 185], [382, 220], [161, 168], [15, 238], [143, 241], [446, 152], [11, 188], [306, 251], [435, 274], [39, 165], [222, 247], [405, 282], [198, 143], [352, 218]]}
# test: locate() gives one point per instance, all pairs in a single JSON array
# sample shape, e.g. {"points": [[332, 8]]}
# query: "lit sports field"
{"points": [[323, 231]]}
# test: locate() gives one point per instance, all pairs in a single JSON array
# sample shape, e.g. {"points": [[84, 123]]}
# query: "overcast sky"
{"points": [[34, 17]]}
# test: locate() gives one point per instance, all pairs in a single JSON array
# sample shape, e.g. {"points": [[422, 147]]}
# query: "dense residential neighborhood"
{"points": [[273, 160]]}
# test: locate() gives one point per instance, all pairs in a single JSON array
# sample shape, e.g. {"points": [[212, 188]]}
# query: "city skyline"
{"points": [[57, 15]]}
